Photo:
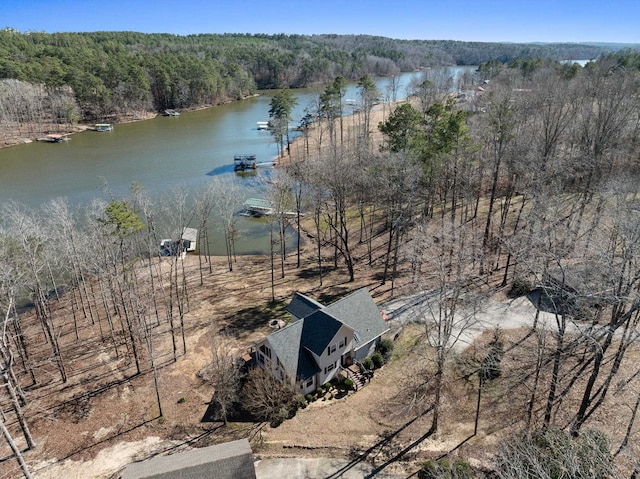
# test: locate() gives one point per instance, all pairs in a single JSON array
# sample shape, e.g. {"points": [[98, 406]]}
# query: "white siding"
{"points": [[329, 360]]}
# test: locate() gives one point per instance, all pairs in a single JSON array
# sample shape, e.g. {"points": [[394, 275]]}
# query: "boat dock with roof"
{"points": [[54, 138], [257, 207], [244, 162]]}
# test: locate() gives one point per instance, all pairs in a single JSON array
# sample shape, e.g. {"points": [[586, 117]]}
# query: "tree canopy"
{"points": [[115, 73]]}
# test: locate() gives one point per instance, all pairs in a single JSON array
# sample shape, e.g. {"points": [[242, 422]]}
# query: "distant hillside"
{"points": [[112, 74]]}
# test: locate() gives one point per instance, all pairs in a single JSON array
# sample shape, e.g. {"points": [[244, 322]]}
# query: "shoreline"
{"points": [[11, 137], [297, 148]]}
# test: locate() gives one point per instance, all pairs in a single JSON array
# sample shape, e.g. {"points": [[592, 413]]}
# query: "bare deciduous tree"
{"points": [[224, 372], [266, 397]]}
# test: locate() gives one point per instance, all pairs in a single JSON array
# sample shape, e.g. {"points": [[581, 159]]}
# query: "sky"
{"points": [[615, 21]]}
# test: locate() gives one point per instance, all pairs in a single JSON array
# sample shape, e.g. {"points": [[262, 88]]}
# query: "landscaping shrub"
{"points": [[445, 469], [301, 401], [309, 397], [377, 359], [385, 347], [367, 363], [348, 384]]}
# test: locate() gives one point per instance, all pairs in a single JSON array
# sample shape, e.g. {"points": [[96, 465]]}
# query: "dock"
{"points": [[54, 138], [244, 163], [258, 208], [189, 237], [186, 244]]}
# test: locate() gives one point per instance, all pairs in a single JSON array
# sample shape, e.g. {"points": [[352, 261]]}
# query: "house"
{"points": [[231, 460], [320, 340]]}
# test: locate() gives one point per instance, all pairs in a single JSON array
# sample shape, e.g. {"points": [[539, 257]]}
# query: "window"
{"points": [[332, 349], [266, 350], [309, 383], [264, 354], [343, 343], [329, 368]]}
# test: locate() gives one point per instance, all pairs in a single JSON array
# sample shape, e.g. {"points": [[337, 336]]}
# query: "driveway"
{"points": [[317, 468], [508, 314]]}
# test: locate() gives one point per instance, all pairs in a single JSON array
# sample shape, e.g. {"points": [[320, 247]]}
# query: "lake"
{"points": [[162, 154]]}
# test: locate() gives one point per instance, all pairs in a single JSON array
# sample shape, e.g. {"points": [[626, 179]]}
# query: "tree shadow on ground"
{"points": [[256, 317], [328, 297], [311, 273], [380, 446], [237, 414]]}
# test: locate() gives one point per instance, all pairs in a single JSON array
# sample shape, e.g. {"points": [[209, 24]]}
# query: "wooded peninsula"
{"points": [[51, 82]]}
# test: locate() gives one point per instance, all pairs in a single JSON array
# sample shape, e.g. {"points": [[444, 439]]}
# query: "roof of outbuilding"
{"points": [[231, 460]]}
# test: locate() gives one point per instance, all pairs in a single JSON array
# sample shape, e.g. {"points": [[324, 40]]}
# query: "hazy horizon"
{"points": [[546, 21]]}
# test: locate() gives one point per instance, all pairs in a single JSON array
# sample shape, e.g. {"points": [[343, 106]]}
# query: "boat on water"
{"points": [[262, 125], [170, 112], [103, 127], [242, 163]]}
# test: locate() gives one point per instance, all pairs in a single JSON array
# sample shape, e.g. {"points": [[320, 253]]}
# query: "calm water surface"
{"points": [[161, 154]]}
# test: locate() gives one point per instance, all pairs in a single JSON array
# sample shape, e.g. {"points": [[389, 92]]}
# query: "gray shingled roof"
{"points": [[359, 312], [231, 460], [286, 345], [319, 329], [302, 306]]}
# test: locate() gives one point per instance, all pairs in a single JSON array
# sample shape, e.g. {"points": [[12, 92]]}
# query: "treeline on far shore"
{"points": [[85, 77]]}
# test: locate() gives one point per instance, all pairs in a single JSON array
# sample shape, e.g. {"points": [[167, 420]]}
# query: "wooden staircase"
{"points": [[359, 378]]}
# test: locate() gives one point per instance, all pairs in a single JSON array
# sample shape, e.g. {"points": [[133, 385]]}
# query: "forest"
{"points": [[524, 181], [65, 78]]}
